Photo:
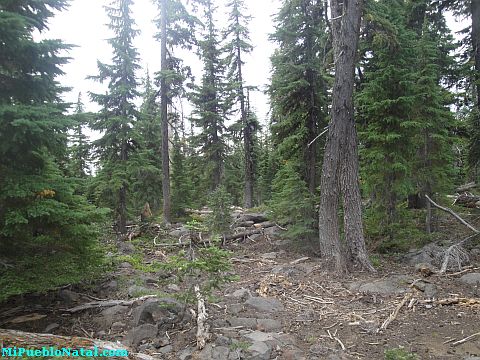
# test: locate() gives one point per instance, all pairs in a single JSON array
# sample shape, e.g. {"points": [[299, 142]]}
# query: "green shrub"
{"points": [[399, 354]]}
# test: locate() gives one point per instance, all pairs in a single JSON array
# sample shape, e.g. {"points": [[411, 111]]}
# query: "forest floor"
{"points": [[283, 305]]}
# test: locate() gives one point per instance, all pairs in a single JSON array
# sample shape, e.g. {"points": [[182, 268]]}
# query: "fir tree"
{"points": [[79, 144], [39, 210], [299, 84], [119, 112], [238, 44], [175, 26], [209, 99]]}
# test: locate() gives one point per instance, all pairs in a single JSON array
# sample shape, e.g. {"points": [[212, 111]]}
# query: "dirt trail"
{"points": [[283, 306]]}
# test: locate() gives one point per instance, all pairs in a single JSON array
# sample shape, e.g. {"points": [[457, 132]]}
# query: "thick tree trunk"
{"points": [[340, 166], [164, 115]]}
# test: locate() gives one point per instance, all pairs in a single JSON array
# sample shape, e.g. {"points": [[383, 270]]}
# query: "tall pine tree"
{"points": [[209, 99], [119, 112]]}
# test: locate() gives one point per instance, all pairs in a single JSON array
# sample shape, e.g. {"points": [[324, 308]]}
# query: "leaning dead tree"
{"points": [[455, 254], [340, 170]]}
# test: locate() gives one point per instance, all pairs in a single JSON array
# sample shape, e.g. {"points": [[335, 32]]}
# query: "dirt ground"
{"points": [[326, 316]]}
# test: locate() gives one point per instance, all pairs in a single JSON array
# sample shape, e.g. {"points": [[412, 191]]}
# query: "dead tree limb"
{"points": [[107, 303], [21, 339], [466, 187], [203, 334], [451, 212], [394, 314]]}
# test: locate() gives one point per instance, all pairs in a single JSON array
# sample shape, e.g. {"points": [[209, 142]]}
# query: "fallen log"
{"points": [[203, 334], [248, 233], [107, 303], [468, 200], [21, 339], [466, 187]]}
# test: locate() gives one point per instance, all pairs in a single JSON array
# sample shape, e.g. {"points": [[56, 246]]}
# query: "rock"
{"points": [[235, 309], [185, 354], [221, 340], [269, 324], [118, 326], [173, 288], [211, 352], [471, 358], [136, 291], [101, 333], [259, 351], [475, 252], [248, 323], [288, 271], [396, 284], [293, 354], [68, 296], [265, 304], [471, 279], [125, 265], [148, 279], [271, 255], [111, 315], [161, 342], [126, 248], [428, 254], [177, 233], [51, 327], [430, 290], [241, 294], [110, 286], [166, 349], [319, 350], [259, 336], [136, 335], [160, 312]]}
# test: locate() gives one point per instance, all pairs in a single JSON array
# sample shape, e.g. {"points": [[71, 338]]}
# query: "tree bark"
{"points": [[340, 166], [475, 9], [122, 195], [164, 116]]}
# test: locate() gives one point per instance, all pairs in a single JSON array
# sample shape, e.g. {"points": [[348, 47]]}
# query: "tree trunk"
{"points": [[475, 9], [340, 166], [164, 115], [122, 195], [247, 132]]}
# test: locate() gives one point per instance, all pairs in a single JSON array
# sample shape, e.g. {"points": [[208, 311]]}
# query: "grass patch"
{"points": [[399, 354]]}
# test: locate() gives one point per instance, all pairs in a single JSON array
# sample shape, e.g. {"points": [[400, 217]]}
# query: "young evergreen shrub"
{"points": [[291, 203], [220, 203]]}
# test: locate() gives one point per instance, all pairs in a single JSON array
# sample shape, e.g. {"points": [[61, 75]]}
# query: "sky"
{"points": [[84, 24]]}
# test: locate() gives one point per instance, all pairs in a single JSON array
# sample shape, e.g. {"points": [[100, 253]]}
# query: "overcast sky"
{"points": [[84, 24]]}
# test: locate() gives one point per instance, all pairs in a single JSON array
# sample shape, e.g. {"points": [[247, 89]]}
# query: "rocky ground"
{"points": [[284, 305]]}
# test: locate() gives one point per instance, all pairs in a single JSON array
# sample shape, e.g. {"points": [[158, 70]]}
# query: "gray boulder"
{"points": [[265, 304], [111, 315], [160, 312], [396, 284], [259, 351], [471, 279], [143, 332]]}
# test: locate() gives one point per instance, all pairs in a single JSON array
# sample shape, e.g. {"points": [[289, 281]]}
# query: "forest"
{"points": [[371, 151]]}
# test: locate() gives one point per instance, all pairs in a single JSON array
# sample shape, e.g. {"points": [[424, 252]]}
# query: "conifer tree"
{"points": [[38, 204], [176, 30], [146, 164], [79, 144], [209, 99], [119, 112], [299, 84], [238, 44]]}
